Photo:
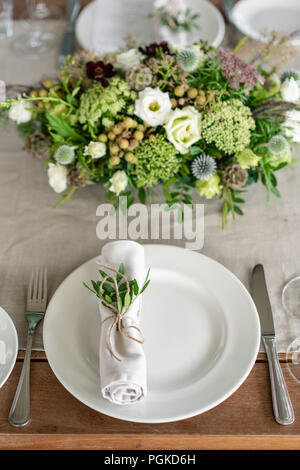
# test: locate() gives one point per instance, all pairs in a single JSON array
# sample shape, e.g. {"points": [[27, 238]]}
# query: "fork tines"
{"points": [[37, 290]]}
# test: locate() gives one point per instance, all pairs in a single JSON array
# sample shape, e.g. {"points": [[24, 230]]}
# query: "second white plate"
{"points": [[121, 17], [202, 336], [252, 17], [8, 346]]}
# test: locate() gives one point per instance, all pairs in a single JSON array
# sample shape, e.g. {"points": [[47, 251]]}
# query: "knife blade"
{"points": [[262, 301], [282, 407], [68, 41]]}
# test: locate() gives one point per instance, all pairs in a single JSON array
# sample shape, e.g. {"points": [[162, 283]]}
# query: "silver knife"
{"points": [[282, 407], [68, 41]]}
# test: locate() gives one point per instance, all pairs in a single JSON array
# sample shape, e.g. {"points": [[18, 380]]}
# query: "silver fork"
{"points": [[19, 414]]}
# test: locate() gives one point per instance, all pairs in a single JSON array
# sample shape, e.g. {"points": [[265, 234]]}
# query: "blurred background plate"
{"points": [[121, 17], [8, 346], [252, 17]]}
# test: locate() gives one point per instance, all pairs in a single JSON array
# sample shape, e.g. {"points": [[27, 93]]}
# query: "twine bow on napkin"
{"points": [[119, 307]]}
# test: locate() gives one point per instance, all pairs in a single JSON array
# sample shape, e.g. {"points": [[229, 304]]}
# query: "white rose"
{"points": [[20, 112], [153, 106], [292, 125], [183, 128], [119, 181], [129, 58], [95, 149], [290, 90], [57, 175]]}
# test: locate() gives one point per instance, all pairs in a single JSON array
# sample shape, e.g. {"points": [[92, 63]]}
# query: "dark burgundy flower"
{"points": [[100, 72], [150, 50]]}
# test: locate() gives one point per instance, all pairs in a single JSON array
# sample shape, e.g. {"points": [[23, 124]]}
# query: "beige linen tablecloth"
{"points": [[32, 233]]}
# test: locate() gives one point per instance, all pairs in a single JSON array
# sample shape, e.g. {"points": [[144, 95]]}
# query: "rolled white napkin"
{"points": [[123, 382]]}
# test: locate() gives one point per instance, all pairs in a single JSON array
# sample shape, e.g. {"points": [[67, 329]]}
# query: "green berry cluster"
{"points": [[122, 138], [200, 99]]}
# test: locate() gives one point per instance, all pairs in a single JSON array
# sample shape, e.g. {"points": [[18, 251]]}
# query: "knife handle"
{"points": [[282, 406]]}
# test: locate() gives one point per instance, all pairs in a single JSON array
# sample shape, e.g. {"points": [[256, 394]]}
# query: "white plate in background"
{"points": [[252, 17], [113, 25], [202, 336]]}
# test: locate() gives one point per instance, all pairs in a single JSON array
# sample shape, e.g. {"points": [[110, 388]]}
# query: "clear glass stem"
{"points": [[30, 9], [35, 39]]}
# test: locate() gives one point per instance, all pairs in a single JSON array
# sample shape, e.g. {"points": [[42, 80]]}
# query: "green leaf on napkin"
{"points": [[117, 292]]}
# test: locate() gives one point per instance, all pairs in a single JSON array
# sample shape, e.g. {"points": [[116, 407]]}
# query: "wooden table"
{"points": [[60, 421]]}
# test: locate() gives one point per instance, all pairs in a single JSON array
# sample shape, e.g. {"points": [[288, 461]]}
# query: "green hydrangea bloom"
{"points": [[246, 159], [209, 188], [157, 160], [98, 102], [228, 126]]}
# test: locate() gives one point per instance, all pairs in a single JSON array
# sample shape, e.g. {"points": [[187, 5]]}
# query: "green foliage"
{"points": [[26, 128], [117, 292], [231, 200], [209, 77], [174, 23], [58, 126]]}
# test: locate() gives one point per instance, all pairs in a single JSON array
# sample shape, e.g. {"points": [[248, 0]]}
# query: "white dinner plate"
{"points": [[8, 346], [121, 17], [252, 17], [201, 328]]}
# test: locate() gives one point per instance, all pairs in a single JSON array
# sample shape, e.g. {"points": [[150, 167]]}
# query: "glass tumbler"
{"points": [[291, 297], [6, 18], [38, 41]]}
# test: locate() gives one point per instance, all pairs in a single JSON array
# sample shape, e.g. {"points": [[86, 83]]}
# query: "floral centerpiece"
{"points": [[188, 117]]}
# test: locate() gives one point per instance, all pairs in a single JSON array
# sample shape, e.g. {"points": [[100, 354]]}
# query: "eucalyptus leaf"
{"points": [[119, 304], [135, 287], [238, 210], [104, 274], [127, 300], [142, 195], [145, 286]]}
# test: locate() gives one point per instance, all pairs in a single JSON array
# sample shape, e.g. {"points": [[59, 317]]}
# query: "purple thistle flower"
{"points": [[237, 71]]}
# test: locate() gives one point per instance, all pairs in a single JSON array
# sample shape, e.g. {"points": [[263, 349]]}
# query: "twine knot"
{"points": [[118, 315]]}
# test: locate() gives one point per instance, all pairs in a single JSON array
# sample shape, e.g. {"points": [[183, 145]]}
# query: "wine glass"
{"points": [[36, 42], [291, 297]]}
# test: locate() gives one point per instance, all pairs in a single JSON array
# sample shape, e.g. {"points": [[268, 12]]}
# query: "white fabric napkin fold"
{"points": [[123, 382]]}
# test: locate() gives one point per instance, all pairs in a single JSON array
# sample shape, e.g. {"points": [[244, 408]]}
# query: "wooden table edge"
{"points": [[39, 355], [146, 442]]}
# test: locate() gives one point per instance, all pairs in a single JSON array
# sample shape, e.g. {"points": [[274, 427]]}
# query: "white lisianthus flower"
{"points": [[153, 106], [20, 112], [290, 90], [292, 125], [183, 128], [119, 181], [127, 59], [57, 175], [95, 150]]}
